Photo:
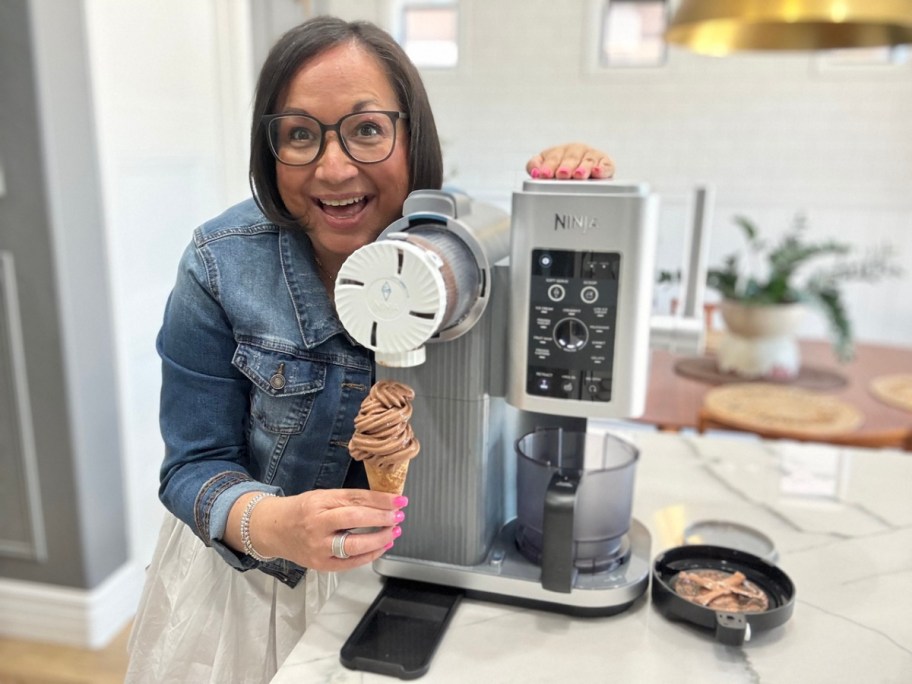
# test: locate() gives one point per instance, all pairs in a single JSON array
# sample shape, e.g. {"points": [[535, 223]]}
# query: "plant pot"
{"points": [[759, 341]]}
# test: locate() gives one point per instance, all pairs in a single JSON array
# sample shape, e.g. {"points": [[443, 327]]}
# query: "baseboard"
{"points": [[72, 617]]}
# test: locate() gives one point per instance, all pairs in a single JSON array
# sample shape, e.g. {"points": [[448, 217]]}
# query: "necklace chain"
{"points": [[324, 270]]}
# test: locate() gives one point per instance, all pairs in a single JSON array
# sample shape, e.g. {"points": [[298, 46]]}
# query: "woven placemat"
{"points": [[764, 407], [894, 389], [704, 369]]}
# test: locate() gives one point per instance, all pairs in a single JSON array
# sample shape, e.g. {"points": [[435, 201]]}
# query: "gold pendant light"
{"points": [[719, 27]]}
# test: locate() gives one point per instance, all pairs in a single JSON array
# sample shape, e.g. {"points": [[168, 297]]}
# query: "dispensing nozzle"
{"points": [[406, 359]]}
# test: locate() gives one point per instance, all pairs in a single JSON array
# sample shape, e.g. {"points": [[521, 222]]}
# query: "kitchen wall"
{"points": [[172, 88]]}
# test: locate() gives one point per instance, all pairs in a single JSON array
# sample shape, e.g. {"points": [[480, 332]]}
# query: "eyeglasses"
{"points": [[366, 137]]}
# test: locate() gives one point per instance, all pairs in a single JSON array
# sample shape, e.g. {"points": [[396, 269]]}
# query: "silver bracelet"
{"points": [[245, 529]]}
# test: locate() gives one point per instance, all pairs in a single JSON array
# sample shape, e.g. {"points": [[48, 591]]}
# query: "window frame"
{"points": [[603, 59], [401, 8]]}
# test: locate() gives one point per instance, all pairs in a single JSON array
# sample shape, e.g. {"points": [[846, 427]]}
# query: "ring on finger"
{"points": [[338, 545]]}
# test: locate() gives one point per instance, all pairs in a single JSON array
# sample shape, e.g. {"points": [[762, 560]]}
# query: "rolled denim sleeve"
{"points": [[204, 408]]}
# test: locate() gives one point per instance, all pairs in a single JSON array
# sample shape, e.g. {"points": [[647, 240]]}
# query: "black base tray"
{"points": [[400, 632]]}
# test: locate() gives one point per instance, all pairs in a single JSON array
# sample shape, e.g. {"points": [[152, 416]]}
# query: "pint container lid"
{"points": [[730, 591]]}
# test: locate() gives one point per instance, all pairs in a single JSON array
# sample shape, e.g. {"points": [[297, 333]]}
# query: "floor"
{"points": [[25, 662]]}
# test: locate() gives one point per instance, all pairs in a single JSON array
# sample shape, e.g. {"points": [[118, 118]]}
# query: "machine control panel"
{"points": [[572, 314]]}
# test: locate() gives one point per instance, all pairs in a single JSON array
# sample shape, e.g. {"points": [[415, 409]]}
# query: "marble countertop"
{"points": [[841, 522]]}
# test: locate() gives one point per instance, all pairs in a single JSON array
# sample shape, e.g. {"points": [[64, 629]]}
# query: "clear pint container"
{"points": [[601, 467]]}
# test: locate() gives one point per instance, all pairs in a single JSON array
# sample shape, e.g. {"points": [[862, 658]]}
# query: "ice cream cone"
{"points": [[390, 480]]}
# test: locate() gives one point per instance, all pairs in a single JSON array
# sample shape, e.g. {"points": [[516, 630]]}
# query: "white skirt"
{"points": [[200, 620]]}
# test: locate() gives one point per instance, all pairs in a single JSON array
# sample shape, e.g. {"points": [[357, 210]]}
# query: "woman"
{"points": [[260, 382]]}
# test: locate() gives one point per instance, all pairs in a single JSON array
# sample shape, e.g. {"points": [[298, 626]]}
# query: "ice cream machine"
{"points": [[514, 330]]}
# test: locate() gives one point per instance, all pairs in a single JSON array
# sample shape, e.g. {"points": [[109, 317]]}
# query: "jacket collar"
{"points": [[317, 319]]}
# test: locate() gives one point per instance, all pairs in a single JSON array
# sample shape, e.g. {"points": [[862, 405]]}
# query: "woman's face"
{"points": [[343, 204]]}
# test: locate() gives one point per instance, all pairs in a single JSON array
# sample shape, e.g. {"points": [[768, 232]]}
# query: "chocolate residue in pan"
{"points": [[720, 590]]}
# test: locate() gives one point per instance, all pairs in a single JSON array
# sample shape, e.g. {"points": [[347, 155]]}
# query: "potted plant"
{"points": [[766, 289]]}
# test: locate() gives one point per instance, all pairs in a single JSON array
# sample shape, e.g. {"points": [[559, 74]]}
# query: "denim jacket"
{"points": [[260, 381]]}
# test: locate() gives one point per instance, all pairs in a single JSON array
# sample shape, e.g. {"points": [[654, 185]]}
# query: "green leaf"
{"points": [[747, 226]]}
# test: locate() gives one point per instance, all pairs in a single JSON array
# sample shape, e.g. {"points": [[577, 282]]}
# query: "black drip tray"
{"points": [[401, 630]]}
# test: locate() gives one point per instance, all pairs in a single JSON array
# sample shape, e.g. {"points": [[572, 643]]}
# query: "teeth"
{"points": [[342, 202]]}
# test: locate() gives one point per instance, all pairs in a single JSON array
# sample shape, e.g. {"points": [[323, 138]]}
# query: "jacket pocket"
{"points": [[285, 387]]}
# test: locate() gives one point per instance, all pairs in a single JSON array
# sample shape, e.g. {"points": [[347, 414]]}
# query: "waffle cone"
{"points": [[390, 480]]}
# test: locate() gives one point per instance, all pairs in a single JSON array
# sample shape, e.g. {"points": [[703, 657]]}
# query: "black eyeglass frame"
{"points": [[394, 117]]}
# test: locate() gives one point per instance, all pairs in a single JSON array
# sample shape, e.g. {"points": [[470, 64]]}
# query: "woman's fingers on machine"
{"points": [[603, 168], [574, 161]]}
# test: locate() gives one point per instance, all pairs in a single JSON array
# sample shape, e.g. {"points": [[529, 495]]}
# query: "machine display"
{"points": [[514, 330]]}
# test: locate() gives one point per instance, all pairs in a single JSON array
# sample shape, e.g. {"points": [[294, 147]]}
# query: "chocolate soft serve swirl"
{"points": [[383, 436]]}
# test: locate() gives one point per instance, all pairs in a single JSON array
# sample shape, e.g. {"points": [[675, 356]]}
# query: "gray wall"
{"points": [[51, 221]]}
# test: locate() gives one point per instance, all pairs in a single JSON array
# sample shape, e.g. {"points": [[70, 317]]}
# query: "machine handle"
{"points": [[558, 572], [732, 629]]}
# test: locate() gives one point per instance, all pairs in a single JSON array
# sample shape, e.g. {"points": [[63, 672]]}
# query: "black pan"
{"points": [[730, 628]]}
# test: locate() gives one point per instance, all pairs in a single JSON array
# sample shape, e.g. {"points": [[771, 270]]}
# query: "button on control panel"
{"points": [[556, 293], [572, 312]]}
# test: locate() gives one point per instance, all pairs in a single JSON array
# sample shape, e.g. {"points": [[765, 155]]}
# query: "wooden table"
{"points": [[674, 402]]}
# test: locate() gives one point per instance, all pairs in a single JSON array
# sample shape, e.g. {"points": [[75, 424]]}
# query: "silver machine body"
{"points": [[505, 325]]}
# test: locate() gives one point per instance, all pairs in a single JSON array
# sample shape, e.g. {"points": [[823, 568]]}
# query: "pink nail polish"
{"points": [[397, 532], [579, 173], [399, 516], [535, 173], [388, 546], [563, 172], [400, 501], [546, 173]]}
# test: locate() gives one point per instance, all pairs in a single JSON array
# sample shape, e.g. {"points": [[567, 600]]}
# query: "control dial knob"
{"points": [[571, 334]]}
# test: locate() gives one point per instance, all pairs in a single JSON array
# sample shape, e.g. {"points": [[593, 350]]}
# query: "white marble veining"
{"points": [[841, 521]]}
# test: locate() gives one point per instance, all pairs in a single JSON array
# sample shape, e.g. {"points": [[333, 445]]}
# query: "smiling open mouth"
{"points": [[343, 208]]}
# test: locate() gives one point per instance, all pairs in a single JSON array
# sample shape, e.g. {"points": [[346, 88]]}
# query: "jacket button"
{"points": [[277, 381]]}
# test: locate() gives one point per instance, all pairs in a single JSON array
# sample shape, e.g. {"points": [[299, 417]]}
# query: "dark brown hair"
{"points": [[308, 40]]}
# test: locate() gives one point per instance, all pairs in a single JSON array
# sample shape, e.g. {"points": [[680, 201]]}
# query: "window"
{"points": [[429, 33], [632, 33]]}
